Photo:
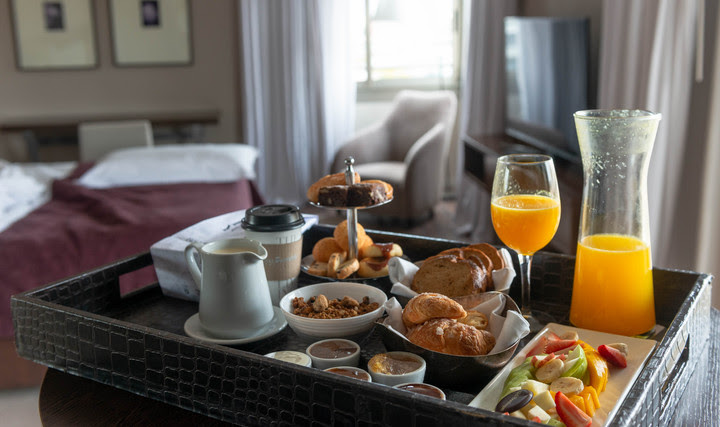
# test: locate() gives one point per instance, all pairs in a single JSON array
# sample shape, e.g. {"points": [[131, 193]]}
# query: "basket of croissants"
{"points": [[455, 339]]}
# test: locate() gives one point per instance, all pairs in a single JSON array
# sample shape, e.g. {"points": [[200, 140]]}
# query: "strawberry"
{"points": [[612, 355], [539, 347], [559, 345], [570, 414], [539, 361]]}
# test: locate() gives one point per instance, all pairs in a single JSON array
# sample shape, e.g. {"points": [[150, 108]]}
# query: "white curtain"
{"points": [[708, 248], [299, 94], [646, 62], [482, 95]]}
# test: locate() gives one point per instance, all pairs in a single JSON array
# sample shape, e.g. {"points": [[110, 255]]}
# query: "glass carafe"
{"points": [[613, 287]]}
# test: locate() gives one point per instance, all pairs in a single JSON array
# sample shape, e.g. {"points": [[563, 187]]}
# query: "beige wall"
{"points": [[210, 82]]}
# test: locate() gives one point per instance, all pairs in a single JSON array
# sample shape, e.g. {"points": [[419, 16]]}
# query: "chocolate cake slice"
{"points": [[366, 194], [333, 195]]}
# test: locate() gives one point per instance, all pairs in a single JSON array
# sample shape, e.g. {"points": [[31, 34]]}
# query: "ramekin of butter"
{"points": [[290, 356]]}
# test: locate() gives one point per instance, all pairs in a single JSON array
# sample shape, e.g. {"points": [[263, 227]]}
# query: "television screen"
{"points": [[546, 67]]}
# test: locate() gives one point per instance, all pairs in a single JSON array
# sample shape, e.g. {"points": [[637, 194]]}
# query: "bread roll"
{"points": [[373, 267], [327, 180], [449, 275], [365, 242], [324, 248], [426, 306], [451, 337], [341, 234]]}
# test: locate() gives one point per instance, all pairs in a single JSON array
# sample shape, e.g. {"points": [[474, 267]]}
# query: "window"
{"points": [[406, 44]]}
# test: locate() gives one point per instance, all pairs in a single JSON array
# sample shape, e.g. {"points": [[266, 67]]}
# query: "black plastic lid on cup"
{"points": [[273, 218]]}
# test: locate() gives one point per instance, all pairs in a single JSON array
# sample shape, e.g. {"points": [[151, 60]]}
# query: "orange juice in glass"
{"points": [[613, 288], [525, 210], [525, 222]]}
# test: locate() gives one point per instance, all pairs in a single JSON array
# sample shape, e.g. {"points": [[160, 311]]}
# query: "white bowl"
{"points": [[415, 376], [333, 328], [328, 362]]}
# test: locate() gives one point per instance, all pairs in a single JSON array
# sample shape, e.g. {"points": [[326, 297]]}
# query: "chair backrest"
{"points": [[415, 113], [97, 139]]}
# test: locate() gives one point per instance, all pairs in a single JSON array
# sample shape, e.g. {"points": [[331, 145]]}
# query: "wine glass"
{"points": [[525, 210]]}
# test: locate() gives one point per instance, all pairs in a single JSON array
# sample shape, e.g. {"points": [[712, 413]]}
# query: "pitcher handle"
{"points": [[192, 263]]}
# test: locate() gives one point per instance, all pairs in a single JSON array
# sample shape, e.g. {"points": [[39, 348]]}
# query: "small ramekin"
{"points": [[422, 388], [415, 376], [324, 363], [351, 372]]}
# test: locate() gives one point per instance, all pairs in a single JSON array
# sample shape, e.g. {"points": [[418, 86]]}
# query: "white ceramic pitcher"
{"points": [[234, 295]]}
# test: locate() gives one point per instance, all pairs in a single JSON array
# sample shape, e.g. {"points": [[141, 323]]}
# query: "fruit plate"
{"points": [[619, 382]]}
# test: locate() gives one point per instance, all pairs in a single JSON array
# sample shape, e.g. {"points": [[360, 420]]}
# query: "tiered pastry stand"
{"points": [[352, 210]]}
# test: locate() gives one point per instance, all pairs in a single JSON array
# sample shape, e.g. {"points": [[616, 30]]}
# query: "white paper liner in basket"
{"points": [[401, 274], [506, 330]]}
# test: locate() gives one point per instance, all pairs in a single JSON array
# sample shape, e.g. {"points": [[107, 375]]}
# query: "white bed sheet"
{"points": [[26, 186]]}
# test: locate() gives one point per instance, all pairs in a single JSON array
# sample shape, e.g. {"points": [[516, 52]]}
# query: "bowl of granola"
{"points": [[334, 309]]}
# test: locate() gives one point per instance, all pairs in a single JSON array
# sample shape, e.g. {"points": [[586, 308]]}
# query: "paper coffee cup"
{"points": [[279, 229]]}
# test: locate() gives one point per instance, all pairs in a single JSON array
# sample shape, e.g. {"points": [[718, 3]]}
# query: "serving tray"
{"points": [[135, 342]]}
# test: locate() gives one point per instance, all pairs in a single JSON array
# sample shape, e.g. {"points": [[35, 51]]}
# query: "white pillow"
{"points": [[172, 164]]}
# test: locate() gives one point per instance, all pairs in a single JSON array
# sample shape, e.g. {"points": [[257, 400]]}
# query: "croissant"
{"points": [[451, 337], [426, 306]]}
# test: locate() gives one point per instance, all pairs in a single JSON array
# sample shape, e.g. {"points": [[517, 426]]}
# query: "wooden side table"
{"points": [[67, 400]]}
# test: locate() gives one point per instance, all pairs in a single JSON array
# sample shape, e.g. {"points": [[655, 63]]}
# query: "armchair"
{"points": [[409, 150]]}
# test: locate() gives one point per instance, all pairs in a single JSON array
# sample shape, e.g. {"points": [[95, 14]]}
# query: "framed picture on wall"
{"points": [[53, 34], [151, 32]]}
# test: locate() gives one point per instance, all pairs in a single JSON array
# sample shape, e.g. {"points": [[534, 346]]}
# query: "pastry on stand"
{"points": [[350, 247]]}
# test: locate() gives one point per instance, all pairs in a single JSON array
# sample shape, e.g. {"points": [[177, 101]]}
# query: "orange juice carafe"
{"points": [[613, 286]]}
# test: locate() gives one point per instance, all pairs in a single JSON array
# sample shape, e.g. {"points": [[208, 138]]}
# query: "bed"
{"points": [[58, 220]]}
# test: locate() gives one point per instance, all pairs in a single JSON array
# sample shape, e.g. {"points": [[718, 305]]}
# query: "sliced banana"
{"points": [[567, 385], [550, 371]]}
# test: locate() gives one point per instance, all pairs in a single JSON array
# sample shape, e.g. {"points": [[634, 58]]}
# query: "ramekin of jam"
{"points": [[333, 352], [397, 367], [351, 371], [422, 388]]}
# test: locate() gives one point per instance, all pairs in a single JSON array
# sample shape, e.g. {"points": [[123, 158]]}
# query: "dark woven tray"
{"points": [[136, 342]]}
